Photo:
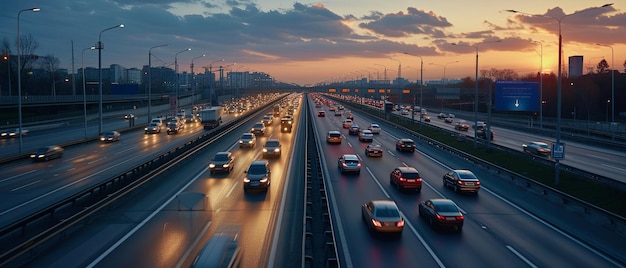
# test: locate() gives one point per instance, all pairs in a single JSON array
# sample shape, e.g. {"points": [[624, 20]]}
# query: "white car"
{"points": [[347, 123], [15, 133], [375, 128]]}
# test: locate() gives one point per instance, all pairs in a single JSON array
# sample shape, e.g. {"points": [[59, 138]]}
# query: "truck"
{"points": [[211, 117], [276, 110], [286, 123]]}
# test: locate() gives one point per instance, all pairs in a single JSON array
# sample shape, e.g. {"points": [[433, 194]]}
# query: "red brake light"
{"points": [[460, 218], [441, 218], [400, 223]]}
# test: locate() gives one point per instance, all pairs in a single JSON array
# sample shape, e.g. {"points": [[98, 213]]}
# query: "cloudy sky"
{"points": [[311, 42]]}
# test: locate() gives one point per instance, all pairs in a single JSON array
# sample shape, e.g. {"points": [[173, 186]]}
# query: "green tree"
{"points": [[602, 67]]}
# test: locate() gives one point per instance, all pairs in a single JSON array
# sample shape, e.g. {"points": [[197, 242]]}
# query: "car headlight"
{"points": [[102, 138], [264, 150], [251, 141], [225, 165], [276, 150], [246, 179], [263, 180], [211, 165], [240, 141], [145, 129]]}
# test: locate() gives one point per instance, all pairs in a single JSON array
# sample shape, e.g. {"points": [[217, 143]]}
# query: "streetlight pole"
{"points": [[82, 62], [177, 78], [150, 80], [385, 74], [612, 90], [540, 86], [193, 79], [444, 69], [421, 85], [607, 110], [19, 76], [487, 131], [558, 84], [99, 47]]}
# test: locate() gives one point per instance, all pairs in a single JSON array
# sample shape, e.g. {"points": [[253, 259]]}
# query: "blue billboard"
{"points": [[517, 96]]}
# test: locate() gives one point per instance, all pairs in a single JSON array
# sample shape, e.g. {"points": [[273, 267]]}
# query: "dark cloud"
{"points": [[406, 24]]}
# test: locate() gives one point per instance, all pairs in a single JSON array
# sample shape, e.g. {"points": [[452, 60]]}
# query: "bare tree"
{"points": [[602, 67], [50, 64]]}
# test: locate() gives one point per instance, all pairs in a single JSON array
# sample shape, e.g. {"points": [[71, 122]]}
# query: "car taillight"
{"points": [[376, 223], [400, 223], [460, 218], [402, 179], [358, 165], [477, 183], [461, 182], [441, 218], [419, 179]]}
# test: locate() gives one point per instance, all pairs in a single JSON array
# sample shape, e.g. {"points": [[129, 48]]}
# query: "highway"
{"points": [[167, 223]]}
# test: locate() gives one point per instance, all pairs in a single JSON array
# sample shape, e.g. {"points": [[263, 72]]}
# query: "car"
{"points": [[374, 150], [349, 163], [257, 176], [267, 120], [47, 153], [337, 113], [258, 129], [406, 178], [321, 114], [272, 148], [442, 116], [382, 216], [375, 128], [158, 121], [461, 180], [538, 148], [190, 118], [173, 127], [461, 125], [483, 134], [222, 250], [332, 108], [14, 133], [349, 116], [366, 135], [480, 125], [222, 162], [354, 130], [247, 140], [449, 119], [152, 128], [346, 123], [405, 144], [333, 136], [441, 212], [404, 112], [129, 116], [110, 136], [426, 118]]}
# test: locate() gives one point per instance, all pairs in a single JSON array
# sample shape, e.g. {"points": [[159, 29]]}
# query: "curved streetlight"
{"points": [[177, 78], [82, 62], [99, 48], [421, 89], [19, 76], [150, 80], [612, 90], [211, 81], [558, 84], [193, 78], [487, 131]]}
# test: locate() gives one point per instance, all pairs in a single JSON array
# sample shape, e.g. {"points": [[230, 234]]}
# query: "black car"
{"points": [[110, 136], [461, 180], [405, 145], [47, 153], [354, 130], [441, 213], [258, 129], [257, 176], [272, 148], [222, 162]]}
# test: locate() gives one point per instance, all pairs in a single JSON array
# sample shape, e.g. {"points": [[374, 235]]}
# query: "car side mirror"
{"points": [[245, 171]]}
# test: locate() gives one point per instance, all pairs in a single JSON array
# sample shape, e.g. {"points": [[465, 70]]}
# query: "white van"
{"points": [[157, 121]]}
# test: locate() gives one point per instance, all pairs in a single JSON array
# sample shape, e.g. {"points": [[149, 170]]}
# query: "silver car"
{"points": [[349, 163]]}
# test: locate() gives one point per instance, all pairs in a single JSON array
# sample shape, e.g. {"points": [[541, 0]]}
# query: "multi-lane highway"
{"points": [[168, 221]]}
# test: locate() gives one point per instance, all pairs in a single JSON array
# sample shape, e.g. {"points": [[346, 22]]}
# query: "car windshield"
{"points": [[387, 212], [467, 176], [446, 207], [256, 169], [42, 150], [258, 125], [153, 124], [334, 134], [411, 175], [271, 144], [408, 143], [221, 157], [246, 137], [352, 162]]}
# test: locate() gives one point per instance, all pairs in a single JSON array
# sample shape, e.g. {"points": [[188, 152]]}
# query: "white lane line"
{"points": [[146, 220], [614, 167], [24, 186], [18, 175], [123, 151], [94, 161], [407, 222], [232, 188], [521, 257]]}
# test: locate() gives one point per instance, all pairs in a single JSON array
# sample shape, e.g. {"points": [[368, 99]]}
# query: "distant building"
{"points": [[575, 66], [133, 76]]}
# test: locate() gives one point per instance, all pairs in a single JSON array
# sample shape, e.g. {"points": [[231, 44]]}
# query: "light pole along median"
{"points": [[99, 48], [150, 80], [19, 77]]}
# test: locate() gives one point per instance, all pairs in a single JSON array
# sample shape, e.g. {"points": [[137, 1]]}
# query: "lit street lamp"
{"points": [[211, 82], [150, 80], [607, 110], [19, 77], [99, 47], [540, 85], [558, 84], [487, 131], [177, 78], [612, 89], [82, 62]]}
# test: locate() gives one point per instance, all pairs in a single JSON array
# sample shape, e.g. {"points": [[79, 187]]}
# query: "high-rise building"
{"points": [[575, 66]]}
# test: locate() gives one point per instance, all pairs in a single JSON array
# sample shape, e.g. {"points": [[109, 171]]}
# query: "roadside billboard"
{"points": [[517, 96]]}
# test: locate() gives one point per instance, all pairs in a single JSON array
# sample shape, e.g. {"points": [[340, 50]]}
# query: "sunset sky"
{"points": [[311, 42]]}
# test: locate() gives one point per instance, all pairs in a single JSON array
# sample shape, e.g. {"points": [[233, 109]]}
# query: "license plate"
{"points": [[410, 180], [469, 183], [451, 218]]}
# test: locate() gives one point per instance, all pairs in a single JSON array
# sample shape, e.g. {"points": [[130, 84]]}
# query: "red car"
{"points": [[321, 114], [406, 178]]}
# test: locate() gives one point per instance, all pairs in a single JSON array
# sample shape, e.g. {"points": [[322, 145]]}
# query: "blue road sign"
{"points": [[517, 96]]}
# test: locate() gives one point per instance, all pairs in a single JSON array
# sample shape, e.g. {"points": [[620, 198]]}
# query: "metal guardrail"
{"points": [[86, 203], [600, 215]]}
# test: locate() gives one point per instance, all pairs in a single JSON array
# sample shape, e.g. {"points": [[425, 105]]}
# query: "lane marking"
{"points": [[24, 186], [521, 256], [18, 175]]}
